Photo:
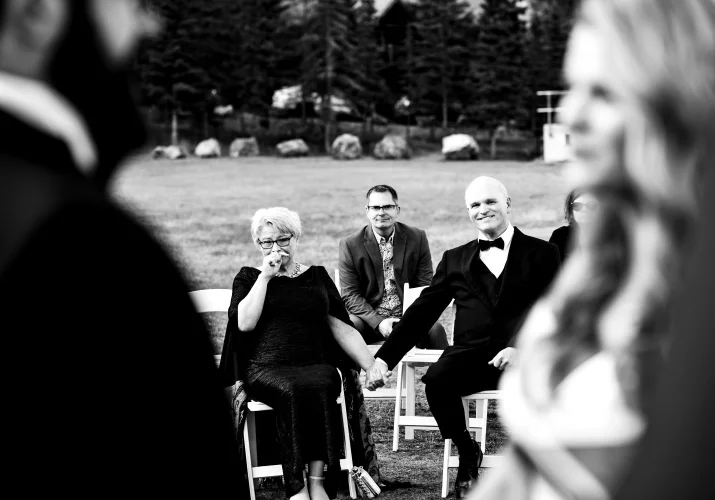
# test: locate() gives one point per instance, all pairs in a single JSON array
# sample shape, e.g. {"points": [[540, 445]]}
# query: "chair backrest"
{"points": [[409, 295], [337, 282], [211, 300]]}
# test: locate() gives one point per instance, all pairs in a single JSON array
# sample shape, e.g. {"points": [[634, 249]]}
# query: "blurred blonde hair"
{"points": [[280, 218], [616, 292]]}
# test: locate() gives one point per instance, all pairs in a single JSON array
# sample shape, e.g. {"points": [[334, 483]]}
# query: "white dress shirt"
{"points": [[379, 239], [495, 258], [40, 106]]}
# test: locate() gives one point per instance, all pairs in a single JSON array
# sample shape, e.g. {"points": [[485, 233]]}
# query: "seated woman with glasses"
{"points": [[579, 209], [287, 332]]}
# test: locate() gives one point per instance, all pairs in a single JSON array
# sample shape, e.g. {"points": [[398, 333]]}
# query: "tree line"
{"points": [[452, 64]]}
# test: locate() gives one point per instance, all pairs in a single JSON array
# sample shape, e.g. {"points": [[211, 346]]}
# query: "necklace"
{"points": [[295, 273]]}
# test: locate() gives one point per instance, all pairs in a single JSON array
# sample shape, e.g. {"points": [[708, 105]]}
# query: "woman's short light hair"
{"points": [[280, 218]]}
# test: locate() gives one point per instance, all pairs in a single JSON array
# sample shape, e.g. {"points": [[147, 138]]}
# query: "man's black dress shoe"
{"points": [[468, 471]]}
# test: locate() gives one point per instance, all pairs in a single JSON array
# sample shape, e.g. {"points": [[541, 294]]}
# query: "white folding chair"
{"points": [[249, 440], [406, 379], [480, 421], [211, 300]]}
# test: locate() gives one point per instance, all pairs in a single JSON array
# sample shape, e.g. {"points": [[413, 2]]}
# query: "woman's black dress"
{"points": [[288, 362], [562, 238]]}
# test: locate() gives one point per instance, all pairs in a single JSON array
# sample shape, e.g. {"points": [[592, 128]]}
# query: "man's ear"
{"points": [[37, 24], [508, 205]]}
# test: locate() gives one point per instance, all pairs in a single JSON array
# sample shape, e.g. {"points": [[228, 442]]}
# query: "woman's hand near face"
{"points": [[272, 264], [251, 307]]}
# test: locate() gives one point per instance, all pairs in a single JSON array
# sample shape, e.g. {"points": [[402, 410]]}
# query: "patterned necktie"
{"points": [[386, 251]]}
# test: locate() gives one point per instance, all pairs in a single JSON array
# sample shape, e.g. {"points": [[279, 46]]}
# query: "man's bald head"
{"points": [[486, 182], [489, 205]]}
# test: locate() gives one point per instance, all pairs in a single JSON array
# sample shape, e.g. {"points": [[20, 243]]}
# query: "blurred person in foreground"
{"points": [[641, 113], [111, 387], [287, 332], [579, 208], [675, 456]]}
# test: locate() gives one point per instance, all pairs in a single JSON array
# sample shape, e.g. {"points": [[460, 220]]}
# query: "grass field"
{"points": [[200, 209]]}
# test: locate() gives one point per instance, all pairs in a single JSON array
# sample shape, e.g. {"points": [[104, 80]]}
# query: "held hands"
{"points": [[272, 263], [376, 376], [386, 325], [506, 358]]}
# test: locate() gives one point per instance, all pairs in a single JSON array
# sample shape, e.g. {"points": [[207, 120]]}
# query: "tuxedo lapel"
{"points": [[375, 256], [513, 273], [471, 253]]}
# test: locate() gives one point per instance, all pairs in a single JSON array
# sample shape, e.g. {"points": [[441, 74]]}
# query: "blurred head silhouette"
{"points": [[83, 49]]}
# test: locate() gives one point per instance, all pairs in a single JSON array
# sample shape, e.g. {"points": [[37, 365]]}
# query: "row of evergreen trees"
{"points": [[452, 63]]}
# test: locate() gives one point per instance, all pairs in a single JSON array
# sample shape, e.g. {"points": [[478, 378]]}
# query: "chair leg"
{"points": [[249, 444], [346, 440], [445, 467], [398, 402], [409, 375], [483, 410], [404, 387]]}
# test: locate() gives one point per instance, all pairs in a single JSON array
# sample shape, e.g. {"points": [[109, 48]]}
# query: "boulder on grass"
{"points": [[246, 146], [392, 147], [292, 148], [169, 152], [157, 153], [346, 147], [210, 148], [460, 147]]}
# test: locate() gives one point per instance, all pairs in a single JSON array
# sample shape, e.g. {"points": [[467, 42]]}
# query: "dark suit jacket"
{"points": [[360, 264], [530, 267], [102, 345], [561, 237]]}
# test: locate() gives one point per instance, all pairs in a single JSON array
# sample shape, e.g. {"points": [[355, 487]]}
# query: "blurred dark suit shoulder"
{"points": [[111, 381], [561, 237]]}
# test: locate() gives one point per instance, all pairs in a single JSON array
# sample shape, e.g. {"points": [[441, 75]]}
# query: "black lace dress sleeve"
{"points": [[233, 355]]}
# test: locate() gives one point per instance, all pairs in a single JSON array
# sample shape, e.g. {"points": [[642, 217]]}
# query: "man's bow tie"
{"points": [[486, 244]]}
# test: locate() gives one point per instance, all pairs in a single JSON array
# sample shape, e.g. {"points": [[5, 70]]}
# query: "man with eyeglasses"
{"points": [[376, 261], [494, 280]]}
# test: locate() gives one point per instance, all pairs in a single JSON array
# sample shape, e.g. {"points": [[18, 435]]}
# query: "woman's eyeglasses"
{"points": [[282, 242], [584, 206]]}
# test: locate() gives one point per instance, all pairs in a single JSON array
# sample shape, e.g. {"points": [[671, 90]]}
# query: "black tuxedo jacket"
{"points": [[360, 265], [530, 267], [104, 353]]}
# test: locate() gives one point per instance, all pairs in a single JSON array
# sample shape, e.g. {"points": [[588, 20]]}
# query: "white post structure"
{"points": [[556, 140]]}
